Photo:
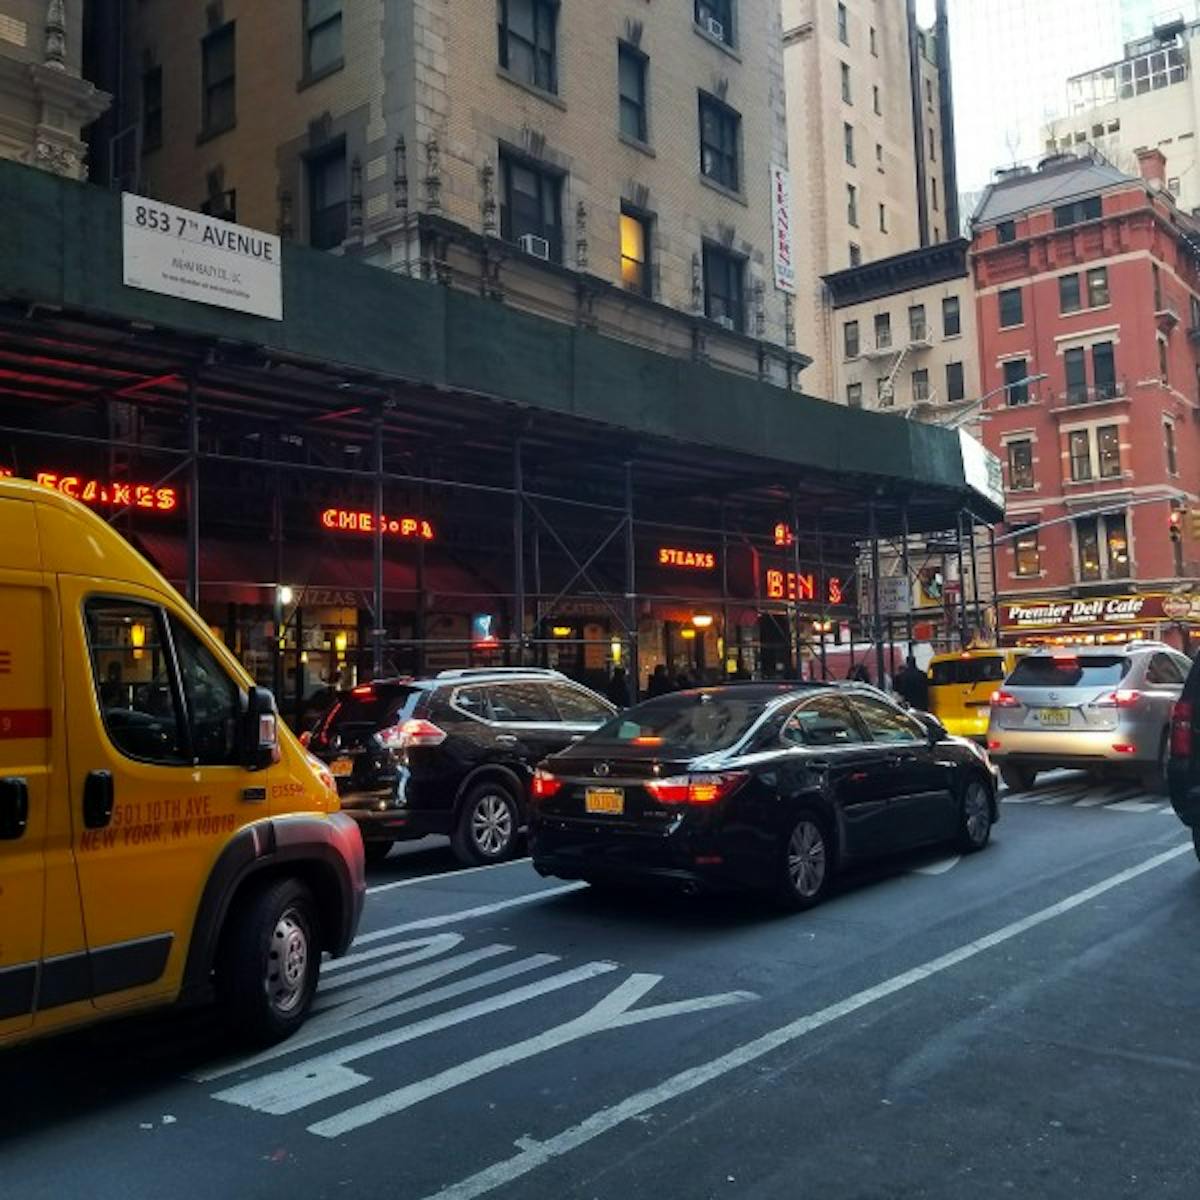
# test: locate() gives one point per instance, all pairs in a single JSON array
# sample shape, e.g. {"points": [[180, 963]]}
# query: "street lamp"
{"points": [[961, 418]]}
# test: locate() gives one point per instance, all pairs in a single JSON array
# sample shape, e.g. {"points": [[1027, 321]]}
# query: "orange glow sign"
{"points": [[783, 535], [797, 588], [100, 493], [351, 520], [696, 560]]}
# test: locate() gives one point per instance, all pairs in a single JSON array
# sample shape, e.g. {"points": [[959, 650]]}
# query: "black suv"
{"points": [[1183, 765], [452, 755]]}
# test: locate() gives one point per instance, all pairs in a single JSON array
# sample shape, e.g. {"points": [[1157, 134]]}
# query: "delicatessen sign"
{"points": [[1098, 611]]}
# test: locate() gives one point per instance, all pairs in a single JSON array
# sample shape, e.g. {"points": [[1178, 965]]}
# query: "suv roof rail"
{"points": [[474, 672], [1147, 643]]}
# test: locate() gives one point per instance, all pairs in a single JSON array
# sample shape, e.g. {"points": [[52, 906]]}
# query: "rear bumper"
{"points": [[391, 824], [1049, 748], [973, 726]]}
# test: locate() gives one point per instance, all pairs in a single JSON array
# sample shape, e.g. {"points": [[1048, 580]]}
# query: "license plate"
{"points": [[1054, 716], [341, 767], [610, 801]]}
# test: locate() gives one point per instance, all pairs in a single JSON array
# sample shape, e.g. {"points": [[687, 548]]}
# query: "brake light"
{"points": [[545, 785], [306, 738], [1003, 699], [1124, 747], [1121, 698], [416, 732], [363, 689], [697, 790], [1182, 716]]}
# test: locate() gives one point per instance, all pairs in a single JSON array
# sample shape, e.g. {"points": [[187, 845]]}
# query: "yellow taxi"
{"points": [[961, 686], [163, 837]]}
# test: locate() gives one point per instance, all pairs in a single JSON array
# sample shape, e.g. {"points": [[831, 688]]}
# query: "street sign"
{"points": [[895, 596]]}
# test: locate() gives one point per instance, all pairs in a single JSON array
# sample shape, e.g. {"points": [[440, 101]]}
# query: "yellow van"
{"points": [[163, 837], [961, 685]]}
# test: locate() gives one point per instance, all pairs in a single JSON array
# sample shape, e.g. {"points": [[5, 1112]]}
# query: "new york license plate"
{"points": [[610, 801], [341, 767]]}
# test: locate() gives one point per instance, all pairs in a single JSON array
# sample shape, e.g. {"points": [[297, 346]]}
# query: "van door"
{"points": [[155, 783]]}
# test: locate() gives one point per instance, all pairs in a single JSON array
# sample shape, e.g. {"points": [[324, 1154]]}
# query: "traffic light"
{"points": [[1176, 524]]}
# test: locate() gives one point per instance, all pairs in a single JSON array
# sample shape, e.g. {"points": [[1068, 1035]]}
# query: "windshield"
{"points": [[966, 671], [1064, 671], [380, 707], [686, 724]]}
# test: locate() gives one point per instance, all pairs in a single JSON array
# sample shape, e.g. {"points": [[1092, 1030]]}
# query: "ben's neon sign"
{"points": [[100, 493], [350, 520], [790, 585], [696, 560]]}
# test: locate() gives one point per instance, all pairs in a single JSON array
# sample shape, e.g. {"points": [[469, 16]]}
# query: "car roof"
{"points": [[1118, 649], [752, 690], [474, 675]]}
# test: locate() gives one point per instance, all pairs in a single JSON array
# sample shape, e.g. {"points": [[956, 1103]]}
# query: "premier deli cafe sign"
{"points": [[1100, 610]]}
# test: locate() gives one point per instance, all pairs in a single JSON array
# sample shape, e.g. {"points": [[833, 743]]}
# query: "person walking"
{"points": [[912, 684], [659, 683], [618, 688]]}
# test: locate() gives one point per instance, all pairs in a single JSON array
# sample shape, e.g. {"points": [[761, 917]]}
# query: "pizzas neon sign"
{"points": [[349, 520], [696, 560], [101, 493], [793, 586]]}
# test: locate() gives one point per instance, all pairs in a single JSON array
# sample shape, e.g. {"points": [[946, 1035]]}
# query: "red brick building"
{"points": [[1091, 279]]}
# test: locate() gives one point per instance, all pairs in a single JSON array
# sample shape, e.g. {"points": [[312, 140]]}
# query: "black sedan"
{"points": [[765, 786]]}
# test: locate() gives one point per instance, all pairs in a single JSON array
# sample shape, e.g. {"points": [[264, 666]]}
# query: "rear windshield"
{"points": [[1093, 670], [380, 707], [966, 671], [689, 723]]}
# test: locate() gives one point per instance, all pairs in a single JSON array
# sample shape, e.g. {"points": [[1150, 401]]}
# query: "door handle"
{"points": [[819, 764], [507, 739], [97, 799], [14, 808]]}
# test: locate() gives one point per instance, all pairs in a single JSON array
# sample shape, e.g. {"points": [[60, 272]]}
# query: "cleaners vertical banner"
{"points": [[181, 253]]}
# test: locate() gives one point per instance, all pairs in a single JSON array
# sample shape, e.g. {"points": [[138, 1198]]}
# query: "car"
{"points": [[451, 755], [770, 787], [1107, 708], [961, 686], [1183, 763]]}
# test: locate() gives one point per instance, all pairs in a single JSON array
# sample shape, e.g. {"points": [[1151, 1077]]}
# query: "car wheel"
{"points": [[806, 863], [975, 817], [487, 826], [1154, 777], [1018, 779], [377, 851], [1196, 842], [270, 962]]}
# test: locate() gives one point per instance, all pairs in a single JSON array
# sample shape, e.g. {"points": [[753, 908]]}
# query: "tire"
{"points": [[377, 851], [975, 817], [1154, 776], [1018, 779], [486, 831], [805, 869], [270, 962], [1196, 842]]}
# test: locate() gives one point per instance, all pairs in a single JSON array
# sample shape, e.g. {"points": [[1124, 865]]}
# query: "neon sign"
{"points": [[696, 560], [783, 535], [100, 493], [350, 520], [790, 585]]}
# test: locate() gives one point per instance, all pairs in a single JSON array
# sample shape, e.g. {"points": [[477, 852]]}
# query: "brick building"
{"points": [[1091, 278]]}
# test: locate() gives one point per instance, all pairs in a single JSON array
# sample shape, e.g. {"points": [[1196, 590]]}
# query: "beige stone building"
{"points": [[872, 148], [604, 164], [45, 105]]}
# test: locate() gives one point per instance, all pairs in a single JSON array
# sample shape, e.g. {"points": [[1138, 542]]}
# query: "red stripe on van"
{"points": [[24, 723]]}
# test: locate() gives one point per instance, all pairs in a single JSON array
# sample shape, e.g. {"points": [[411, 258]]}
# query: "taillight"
{"points": [[1121, 698], [416, 732], [545, 785], [699, 790], [1003, 699], [306, 738], [1182, 716]]}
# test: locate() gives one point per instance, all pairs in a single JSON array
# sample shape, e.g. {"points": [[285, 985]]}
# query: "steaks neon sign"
{"points": [[696, 560], [103, 493]]}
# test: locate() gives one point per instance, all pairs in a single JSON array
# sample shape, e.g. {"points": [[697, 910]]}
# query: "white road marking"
{"points": [[320, 1078], [534, 1154], [1020, 798], [399, 883], [938, 868], [613, 1012], [426, 947], [1134, 806]]}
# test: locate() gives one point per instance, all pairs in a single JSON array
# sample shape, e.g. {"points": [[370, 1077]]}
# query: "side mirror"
{"points": [[934, 729], [260, 730]]}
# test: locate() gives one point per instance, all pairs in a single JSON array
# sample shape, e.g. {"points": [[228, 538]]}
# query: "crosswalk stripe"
{"points": [[1133, 805]]}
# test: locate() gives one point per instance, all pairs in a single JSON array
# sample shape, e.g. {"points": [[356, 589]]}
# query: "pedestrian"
{"points": [[659, 683], [859, 673], [682, 682], [912, 684], [618, 688]]}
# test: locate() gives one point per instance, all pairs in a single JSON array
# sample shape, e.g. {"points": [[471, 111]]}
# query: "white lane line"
{"points": [[1106, 795], [1133, 806], [399, 883], [938, 868], [1021, 798], [534, 1154], [421, 948], [466, 914]]}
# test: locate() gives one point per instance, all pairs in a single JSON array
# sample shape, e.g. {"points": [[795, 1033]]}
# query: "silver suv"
{"points": [[1106, 707]]}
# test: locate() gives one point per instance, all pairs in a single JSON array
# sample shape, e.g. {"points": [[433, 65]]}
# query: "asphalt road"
{"points": [[1021, 1023]]}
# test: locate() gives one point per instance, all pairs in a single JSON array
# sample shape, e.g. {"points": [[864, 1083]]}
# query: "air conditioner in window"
{"points": [[539, 247], [726, 323], [715, 28]]}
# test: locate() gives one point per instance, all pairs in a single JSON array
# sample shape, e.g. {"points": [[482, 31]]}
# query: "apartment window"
{"points": [[1088, 542], [322, 36], [852, 204], [848, 141], [920, 384], [846, 94], [1177, 547], [1011, 309], [883, 218], [635, 252], [528, 38], [876, 100], [724, 300], [951, 317], [1104, 371], [932, 142], [916, 323], [720, 127], [955, 383], [218, 53], [1079, 447], [716, 18], [933, 187], [843, 25], [1006, 231], [883, 330], [1108, 451], [222, 206], [874, 43], [1097, 287], [1020, 465], [1075, 365], [854, 395], [328, 196], [1116, 544], [152, 108], [879, 155], [1079, 210], [1169, 443], [855, 254], [929, 92], [850, 342], [1016, 382], [631, 83], [530, 204], [1163, 372], [1028, 558], [1156, 275], [883, 397], [1068, 294]]}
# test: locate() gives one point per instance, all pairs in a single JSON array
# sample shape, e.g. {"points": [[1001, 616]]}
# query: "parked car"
{"points": [[961, 687], [452, 755], [1183, 764], [1104, 707], [764, 786]]}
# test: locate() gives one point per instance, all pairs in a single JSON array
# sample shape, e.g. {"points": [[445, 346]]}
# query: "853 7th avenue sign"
{"points": [[181, 253]]}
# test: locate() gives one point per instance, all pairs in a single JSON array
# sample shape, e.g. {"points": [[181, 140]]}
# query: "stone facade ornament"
{"points": [[56, 36], [760, 309], [400, 179], [581, 239], [433, 174], [356, 195], [697, 285], [487, 183], [60, 160]]}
